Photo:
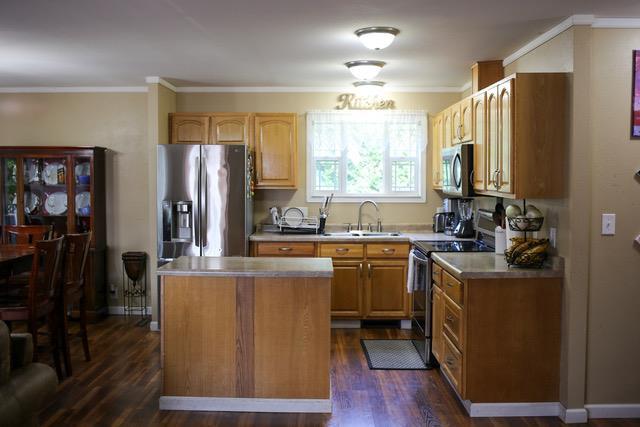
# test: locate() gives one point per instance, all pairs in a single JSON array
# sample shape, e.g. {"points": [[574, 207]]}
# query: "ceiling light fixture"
{"points": [[369, 87], [364, 69], [377, 38]]}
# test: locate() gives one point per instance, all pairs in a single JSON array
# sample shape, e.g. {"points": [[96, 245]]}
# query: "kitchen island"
{"points": [[246, 334]]}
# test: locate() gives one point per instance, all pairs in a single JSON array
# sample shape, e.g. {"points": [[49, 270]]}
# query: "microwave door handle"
{"points": [[196, 215]]}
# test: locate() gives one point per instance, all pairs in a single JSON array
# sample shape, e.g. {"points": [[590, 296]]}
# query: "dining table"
{"points": [[15, 259]]}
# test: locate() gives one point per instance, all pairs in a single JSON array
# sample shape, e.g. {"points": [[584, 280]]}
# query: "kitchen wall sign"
{"points": [[351, 101], [635, 96]]}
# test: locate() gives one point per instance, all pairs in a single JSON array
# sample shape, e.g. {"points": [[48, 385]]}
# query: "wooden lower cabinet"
{"points": [[346, 289], [369, 282], [498, 339], [386, 289]]}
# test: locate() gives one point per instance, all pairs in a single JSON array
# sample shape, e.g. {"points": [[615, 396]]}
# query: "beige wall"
{"points": [[393, 213], [613, 371], [116, 121]]}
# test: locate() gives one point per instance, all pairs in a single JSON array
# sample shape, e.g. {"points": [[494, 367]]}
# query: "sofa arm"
{"points": [[21, 350]]}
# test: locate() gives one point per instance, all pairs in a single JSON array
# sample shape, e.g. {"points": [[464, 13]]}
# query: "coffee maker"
{"points": [[449, 214], [464, 227]]}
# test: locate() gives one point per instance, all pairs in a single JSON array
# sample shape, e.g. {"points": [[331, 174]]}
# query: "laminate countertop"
{"points": [[247, 267], [488, 265], [408, 237]]}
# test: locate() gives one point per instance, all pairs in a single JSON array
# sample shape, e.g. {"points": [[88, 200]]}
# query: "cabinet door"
{"points": [[505, 137], [456, 125], [190, 129], [387, 289], [491, 152], [276, 142], [479, 142], [436, 152], [231, 129], [466, 120], [447, 135], [346, 289], [437, 342]]}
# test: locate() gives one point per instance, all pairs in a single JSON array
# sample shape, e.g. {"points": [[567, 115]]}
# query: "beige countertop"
{"points": [[248, 267], [488, 265], [408, 237]]}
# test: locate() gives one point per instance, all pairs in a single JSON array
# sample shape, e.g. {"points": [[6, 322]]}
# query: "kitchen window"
{"points": [[377, 155]]}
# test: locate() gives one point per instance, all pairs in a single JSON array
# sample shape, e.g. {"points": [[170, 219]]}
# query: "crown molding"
{"points": [[160, 81], [74, 89], [307, 89], [590, 20]]}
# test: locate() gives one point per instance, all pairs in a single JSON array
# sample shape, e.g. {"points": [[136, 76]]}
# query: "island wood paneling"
{"points": [[199, 333], [292, 337]]}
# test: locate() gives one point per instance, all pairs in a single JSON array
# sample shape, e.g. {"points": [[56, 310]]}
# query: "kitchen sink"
{"points": [[362, 233]]}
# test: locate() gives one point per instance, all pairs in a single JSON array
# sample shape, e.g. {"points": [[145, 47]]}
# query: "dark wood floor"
{"points": [[121, 386]]}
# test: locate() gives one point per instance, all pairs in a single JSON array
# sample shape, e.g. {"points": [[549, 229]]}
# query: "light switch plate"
{"points": [[608, 224]]}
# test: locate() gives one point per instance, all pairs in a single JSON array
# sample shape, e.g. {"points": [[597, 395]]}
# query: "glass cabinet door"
{"points": [[9, 197], [82, 196], [45, 192]]}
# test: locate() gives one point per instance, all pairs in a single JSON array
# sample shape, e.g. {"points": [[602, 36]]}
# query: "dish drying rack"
{"points": [[299, 225]]}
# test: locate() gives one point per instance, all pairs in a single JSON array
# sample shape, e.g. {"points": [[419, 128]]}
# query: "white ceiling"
{"points": [[300, 43]]}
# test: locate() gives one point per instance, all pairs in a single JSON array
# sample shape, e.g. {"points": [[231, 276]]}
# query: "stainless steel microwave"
{"points": [[457, 170]]}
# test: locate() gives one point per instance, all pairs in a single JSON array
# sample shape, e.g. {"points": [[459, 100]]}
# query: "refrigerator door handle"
{"points": [[196, 216], [205, 216]]}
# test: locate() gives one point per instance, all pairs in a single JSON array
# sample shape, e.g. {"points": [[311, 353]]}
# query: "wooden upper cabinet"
{"points": [[491, 152], [466, 120], [276, 148], [456, 124], [447, 135], [478, 108], [505, 137], [436, 152], [229, 128], [190, 129]]}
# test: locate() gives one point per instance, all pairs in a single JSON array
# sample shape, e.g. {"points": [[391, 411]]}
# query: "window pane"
{"points": [[403, 140], [365, 167], [327, 175], [403, 174], [326, 139]]}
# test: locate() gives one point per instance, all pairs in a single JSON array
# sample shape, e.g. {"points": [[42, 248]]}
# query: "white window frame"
{"points": [[421, 164]]}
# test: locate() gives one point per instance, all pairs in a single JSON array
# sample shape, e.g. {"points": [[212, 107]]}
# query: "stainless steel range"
{"points": [[420, 258]]}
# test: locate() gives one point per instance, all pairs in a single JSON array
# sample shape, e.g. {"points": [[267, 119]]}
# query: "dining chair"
{"points": [[76, 250], [26, 234], [39, 306]]}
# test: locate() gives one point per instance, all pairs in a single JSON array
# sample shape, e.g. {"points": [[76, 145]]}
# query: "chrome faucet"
{"points": [[379, 226]]}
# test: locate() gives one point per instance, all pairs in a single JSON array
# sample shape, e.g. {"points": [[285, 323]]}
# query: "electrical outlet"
{"points": [[608, 224], [552, 236]]}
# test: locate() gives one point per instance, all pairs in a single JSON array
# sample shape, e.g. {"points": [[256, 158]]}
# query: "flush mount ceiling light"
{"points": [[377, 38], [364, 69], [369, 87]]}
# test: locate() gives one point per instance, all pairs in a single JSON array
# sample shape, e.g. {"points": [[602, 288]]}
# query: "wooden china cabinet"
{"points": [[64, 187]]}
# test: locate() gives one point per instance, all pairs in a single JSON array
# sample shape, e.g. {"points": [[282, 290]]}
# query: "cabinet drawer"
{"points": [[342, 250], [452, 364], [452, 323], [382, 250], [452, 288], [299, 249], [436, 274]]}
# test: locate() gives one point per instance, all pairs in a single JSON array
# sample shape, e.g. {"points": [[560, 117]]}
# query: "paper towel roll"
{"points": [[501, 240]]}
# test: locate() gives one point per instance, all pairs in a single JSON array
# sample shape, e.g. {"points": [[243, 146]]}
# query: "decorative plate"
{"points": [[32, 202], [56, 203], [51, 173], [83, 200]]}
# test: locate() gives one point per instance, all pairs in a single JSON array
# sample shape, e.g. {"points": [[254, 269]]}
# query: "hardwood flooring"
{"points": [[121, 386]]}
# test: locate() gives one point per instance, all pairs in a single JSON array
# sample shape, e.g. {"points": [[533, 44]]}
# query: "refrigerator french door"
{"points": [[204, 200]]}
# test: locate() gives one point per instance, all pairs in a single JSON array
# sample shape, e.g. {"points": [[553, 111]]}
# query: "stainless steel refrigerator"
{"points": [[204, 201]]}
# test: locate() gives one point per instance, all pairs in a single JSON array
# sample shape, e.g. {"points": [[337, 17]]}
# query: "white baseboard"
{"points": [[527, 409], [119, 310], [622, 410], [153, 326], [573, 416], [238, 404], [345, 324]]}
